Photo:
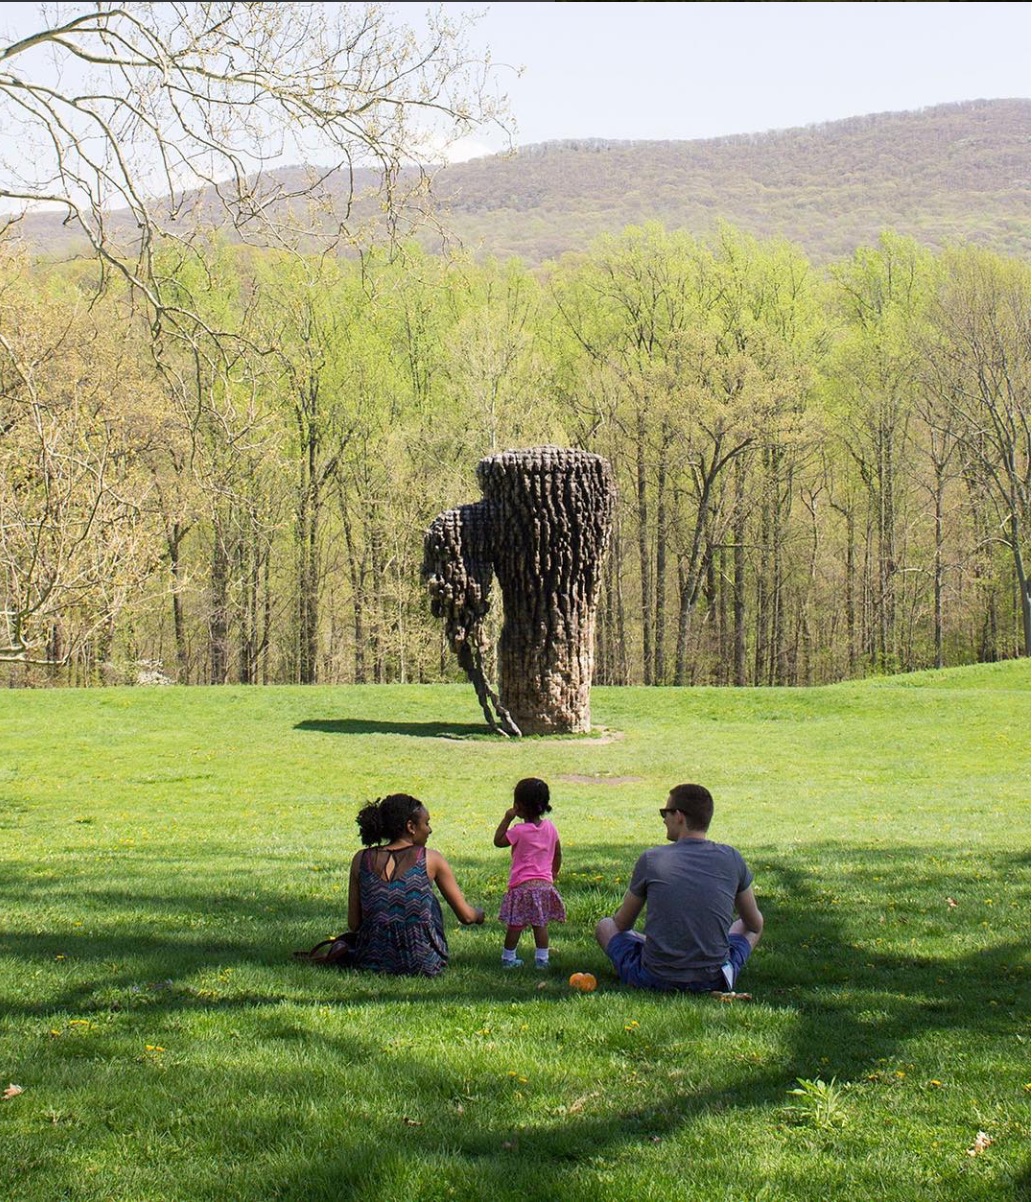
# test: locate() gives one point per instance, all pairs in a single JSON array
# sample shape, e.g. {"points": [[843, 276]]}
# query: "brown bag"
{"points": [[337, 952]]}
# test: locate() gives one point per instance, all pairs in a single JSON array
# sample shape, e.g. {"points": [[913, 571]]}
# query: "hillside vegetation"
{"points": [[942, 174], [958, 171], [822, 468]]}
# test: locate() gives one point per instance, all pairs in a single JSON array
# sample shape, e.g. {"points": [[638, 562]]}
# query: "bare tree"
{"points": [[74, 545], [145, 125], [135, 118]]}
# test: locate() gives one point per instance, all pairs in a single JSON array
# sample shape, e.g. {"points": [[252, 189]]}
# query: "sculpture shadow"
{"points": [[418, 730]]}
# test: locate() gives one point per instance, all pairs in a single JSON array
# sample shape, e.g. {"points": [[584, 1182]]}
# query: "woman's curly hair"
{"points": [[386, 819]]}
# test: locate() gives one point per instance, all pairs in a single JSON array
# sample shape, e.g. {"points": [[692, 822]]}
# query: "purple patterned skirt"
{"points": [[534, 904]]}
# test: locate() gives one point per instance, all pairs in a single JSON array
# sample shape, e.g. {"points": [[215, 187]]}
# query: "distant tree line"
{"points": [[823, 472]]}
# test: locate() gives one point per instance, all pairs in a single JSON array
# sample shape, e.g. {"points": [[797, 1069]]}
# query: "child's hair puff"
{"points": [[532, 797]]}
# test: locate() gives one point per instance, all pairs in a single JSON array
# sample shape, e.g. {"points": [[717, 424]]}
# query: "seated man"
{"points": [[691, 889]]}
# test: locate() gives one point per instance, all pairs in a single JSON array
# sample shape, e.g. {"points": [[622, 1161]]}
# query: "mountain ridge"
{"points": [[940, 174]]}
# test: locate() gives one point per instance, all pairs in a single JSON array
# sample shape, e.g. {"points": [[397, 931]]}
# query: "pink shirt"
{"points": [[533, 846]]}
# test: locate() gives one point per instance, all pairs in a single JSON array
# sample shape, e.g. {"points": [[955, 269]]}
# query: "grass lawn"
{"points": [[164, 851]]}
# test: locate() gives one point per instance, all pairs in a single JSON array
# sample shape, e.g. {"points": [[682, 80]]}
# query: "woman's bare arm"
{"points": [[439, 871], [354, 895]]}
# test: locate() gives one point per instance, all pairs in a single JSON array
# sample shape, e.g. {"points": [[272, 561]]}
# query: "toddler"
{"points": [[532, 898]]}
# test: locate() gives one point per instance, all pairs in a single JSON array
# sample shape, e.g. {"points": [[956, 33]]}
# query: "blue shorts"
{"points": [[625, 951]]}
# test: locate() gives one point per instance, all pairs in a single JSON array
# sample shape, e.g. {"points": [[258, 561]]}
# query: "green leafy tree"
{"points": [[977, 364], [766, 327], [882, 294], [632, 307]]}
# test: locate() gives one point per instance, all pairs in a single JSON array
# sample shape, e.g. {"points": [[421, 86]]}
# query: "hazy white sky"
{"points": [[700, 70]]}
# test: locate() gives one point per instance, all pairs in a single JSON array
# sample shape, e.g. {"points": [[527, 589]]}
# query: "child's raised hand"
{"points": [[500, 836]]}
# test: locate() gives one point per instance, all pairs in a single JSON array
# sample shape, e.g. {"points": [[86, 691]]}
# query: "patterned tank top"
{"points": [[402, 929]]}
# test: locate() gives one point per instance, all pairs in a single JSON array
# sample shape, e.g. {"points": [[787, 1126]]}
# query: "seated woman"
{"points": [[392, 910]]}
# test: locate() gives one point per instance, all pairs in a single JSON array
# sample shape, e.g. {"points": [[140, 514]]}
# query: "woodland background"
{"points": [[805, 354]]}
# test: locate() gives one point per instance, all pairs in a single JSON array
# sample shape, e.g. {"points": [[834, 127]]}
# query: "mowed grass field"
{"points": [[165, 850]]}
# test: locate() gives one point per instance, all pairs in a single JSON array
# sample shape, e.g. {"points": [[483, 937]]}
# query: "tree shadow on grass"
{"points": [[860, 952], [421, 730], [863, 955], [856, 923]]}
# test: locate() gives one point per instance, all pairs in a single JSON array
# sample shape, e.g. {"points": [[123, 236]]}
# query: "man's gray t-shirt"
{"points": [[689, 888]]}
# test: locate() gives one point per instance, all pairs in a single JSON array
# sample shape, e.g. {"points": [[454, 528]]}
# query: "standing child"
{"points": [[532, 898]]}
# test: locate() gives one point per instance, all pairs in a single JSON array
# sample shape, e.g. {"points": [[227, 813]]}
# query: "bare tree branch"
{"points": [[136, 118]]}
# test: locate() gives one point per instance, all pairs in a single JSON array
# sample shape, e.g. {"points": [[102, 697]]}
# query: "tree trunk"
{"points": [[938, 568], [174, 540], [644, 558], [739, 576], [218, 620], [306, 535], [659, 622]]}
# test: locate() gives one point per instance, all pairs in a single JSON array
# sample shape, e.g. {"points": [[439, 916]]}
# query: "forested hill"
{"points": [[953, 172], [957, 171]]}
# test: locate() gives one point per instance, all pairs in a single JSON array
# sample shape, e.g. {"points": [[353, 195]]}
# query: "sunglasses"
{"points": [[663, 813]]}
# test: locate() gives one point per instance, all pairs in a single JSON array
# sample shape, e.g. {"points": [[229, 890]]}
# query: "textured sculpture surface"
{"points": [[542, 531]]}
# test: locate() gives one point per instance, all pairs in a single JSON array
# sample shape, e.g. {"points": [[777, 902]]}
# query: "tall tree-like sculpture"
{"points": [[542, 529]]}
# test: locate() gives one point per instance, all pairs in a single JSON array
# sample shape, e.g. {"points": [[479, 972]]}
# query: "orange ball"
{"points": [[584, 981]]}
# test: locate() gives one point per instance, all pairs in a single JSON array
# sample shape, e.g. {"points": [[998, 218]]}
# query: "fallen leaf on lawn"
{"points": [[982, 1141], [733, 997], [951, 903], [12, 1091], [541, 985], [510, 1145], [412, 1122], [577, 1106]]}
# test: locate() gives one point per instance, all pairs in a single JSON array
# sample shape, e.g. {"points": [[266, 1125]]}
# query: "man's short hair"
{"points": [[696, 803]]}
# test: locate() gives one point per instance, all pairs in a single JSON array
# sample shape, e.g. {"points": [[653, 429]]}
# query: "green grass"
{"points": [[165, 850]]}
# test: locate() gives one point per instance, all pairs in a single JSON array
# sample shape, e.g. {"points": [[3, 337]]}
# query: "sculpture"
{"points": [[542, 529]]}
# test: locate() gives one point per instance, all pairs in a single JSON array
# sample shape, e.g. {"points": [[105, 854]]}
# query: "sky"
{"points": [[703, 70], [708, 69]]}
